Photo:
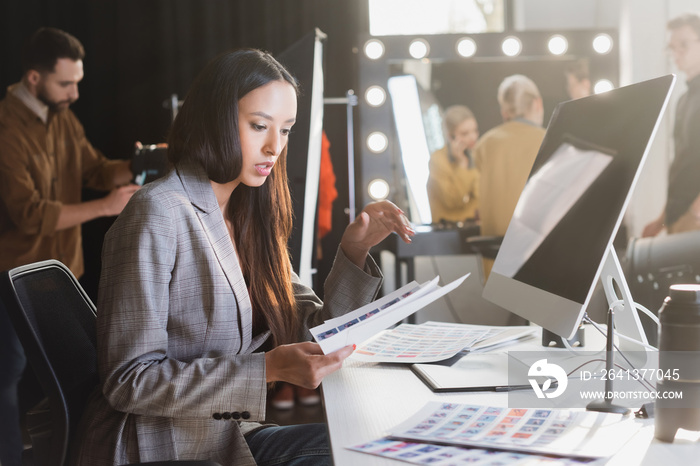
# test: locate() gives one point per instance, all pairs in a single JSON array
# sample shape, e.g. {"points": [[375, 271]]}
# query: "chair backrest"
{"points": [[55, 321]]}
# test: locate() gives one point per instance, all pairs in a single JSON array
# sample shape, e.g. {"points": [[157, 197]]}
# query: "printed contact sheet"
{"points": [[428, 342], [365, 322], [563, 432], [445, 455]]}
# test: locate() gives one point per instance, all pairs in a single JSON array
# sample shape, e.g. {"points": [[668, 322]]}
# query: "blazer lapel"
{"points": [[201, 194]]}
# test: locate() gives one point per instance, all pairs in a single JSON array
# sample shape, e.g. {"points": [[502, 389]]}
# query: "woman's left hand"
{"points": [[376, 221]]}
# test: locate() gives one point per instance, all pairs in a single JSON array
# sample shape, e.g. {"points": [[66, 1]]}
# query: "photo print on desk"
{"points": [[445, 455], [562, 432], [427, 342]]}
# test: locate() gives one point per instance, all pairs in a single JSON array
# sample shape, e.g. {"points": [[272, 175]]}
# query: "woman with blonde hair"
{"points": [[453, 182]]}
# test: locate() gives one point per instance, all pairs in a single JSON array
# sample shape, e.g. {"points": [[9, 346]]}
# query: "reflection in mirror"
{"points": [[418, 119], [419, 98], [460, 69]]}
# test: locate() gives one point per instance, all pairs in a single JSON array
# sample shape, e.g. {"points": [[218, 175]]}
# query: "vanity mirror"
{"points": [[402, 97]]}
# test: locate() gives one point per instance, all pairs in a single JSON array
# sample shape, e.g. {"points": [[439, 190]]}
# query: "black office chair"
{"points": [[55, 321]]}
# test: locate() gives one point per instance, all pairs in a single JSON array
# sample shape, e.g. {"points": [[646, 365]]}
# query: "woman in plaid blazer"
{"points": [[198, 307]]}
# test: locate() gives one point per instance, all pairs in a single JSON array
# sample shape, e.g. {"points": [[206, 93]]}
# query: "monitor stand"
{"points": [[623, 317], [620, 301], [606, 405]]}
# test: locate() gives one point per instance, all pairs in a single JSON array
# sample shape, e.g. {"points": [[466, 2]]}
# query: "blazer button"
{"points": [[236, 415], [217, 416], [245, 415], [227, 415]]}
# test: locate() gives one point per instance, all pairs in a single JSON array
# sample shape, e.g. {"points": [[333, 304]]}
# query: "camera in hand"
{"points": [[149, 162]]}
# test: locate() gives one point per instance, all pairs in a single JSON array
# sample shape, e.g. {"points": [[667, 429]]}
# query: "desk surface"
{"points": [[364, 400]]}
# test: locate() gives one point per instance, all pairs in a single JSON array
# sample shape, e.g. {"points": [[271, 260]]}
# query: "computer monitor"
{"points": [[559, 241]]}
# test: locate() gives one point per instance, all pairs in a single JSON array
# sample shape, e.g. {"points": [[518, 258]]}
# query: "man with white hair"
{"points": [[504, 155]]}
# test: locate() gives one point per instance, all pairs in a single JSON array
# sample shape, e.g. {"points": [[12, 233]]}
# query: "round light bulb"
{"points": [[603, 85], [374, 49], [557, 45], [602, 43], [511, 46], [375, 96], [418, 49], [466, 47], [378, 189], [377, 142]]}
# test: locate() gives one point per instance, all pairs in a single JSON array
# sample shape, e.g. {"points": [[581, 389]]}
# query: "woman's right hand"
{"points": [[459, 151], [303, 364]]}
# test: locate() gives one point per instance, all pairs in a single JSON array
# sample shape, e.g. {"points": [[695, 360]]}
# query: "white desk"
{"points": [[364, 400]]}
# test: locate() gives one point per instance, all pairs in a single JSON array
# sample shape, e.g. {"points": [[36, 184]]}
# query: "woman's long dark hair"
{"points": [[206, 130]]}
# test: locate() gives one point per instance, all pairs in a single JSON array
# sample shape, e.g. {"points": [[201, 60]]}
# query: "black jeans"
{"points": [[12, 363], [298, 445]]}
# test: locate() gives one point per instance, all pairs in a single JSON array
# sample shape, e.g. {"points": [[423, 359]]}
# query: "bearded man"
{"points": [[45, 161]]}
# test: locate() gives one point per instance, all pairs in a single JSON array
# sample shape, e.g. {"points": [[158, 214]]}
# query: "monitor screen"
{"points": [[573, 203]]}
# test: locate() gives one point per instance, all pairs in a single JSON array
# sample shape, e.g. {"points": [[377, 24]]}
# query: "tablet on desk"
{"points": [[474, 372]]}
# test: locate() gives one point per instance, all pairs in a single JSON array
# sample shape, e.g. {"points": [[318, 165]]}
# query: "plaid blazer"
{"points": [[180, 378]]}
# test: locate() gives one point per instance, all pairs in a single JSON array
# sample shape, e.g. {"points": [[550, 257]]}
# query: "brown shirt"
{"points": [[42, 167]]}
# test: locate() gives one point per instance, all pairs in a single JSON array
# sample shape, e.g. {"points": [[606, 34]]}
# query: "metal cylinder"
{"points": [[679, 363]]}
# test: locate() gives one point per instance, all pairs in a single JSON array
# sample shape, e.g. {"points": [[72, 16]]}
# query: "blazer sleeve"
{"points": [[136, 335]]}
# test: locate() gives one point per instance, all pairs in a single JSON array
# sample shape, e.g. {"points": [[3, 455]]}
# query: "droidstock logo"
{"points": [[553, 372]]}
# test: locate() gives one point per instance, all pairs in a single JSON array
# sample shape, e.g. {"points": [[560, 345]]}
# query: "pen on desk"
{"points": [[507, 388]]}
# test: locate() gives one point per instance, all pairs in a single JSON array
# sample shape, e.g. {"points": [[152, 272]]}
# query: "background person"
{"points": [[45, 161], [199, 307], [684, 174], [504, 155], [453, 183], [578, 79]]}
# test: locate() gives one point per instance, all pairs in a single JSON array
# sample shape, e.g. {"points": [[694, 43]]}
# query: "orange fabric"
{"points": [[327, 193]]}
